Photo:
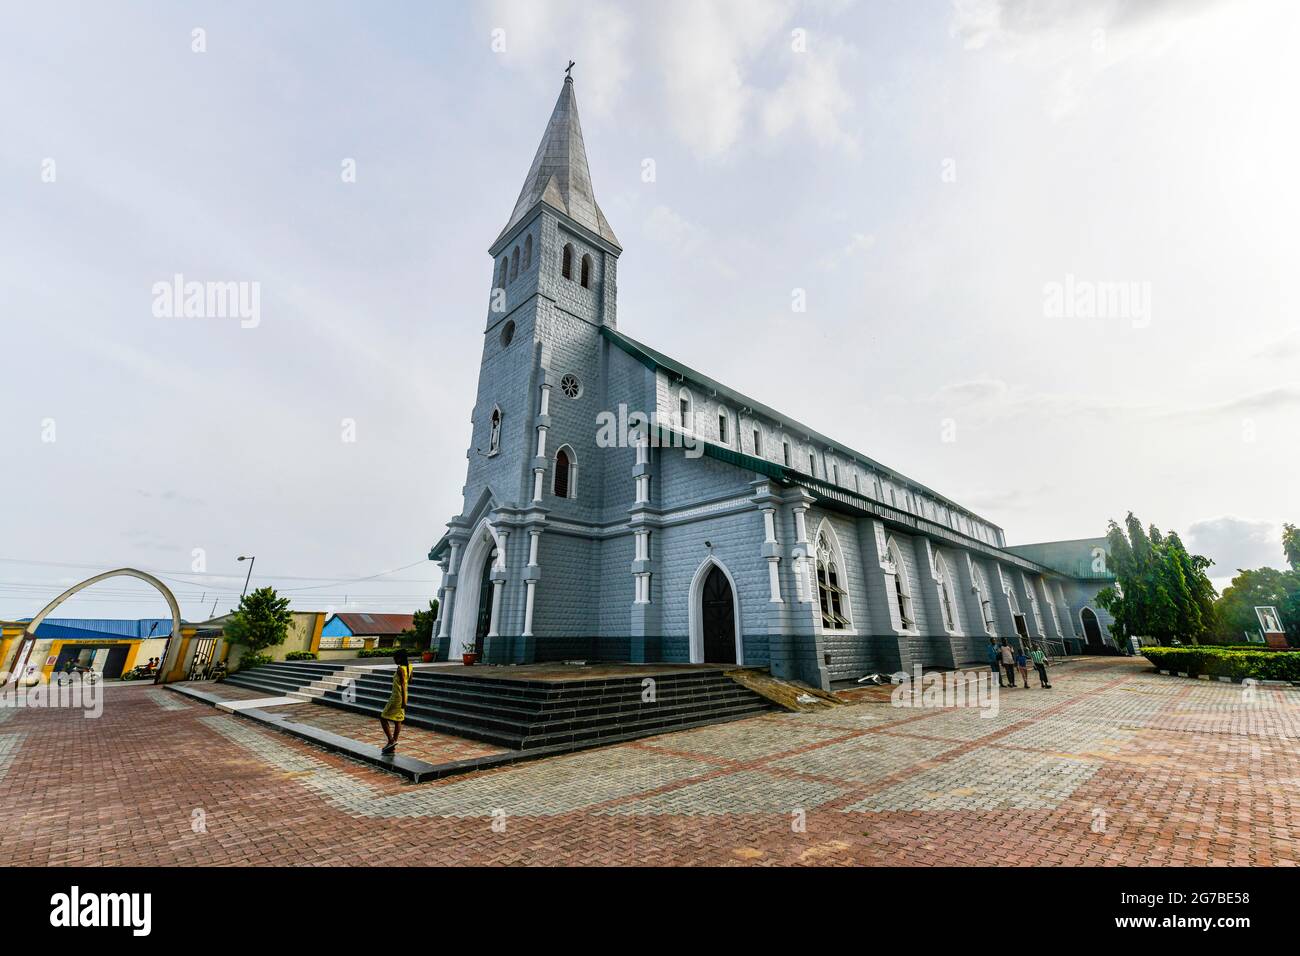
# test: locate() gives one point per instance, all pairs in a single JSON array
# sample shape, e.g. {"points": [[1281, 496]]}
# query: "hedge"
{"points": [[1218, 662], [300, 656], [249, 661]]}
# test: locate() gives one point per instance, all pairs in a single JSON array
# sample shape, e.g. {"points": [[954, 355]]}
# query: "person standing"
{"points": [[1040, 665], [1022, 665], [995, 660], [394, 712], [1009, 662]]}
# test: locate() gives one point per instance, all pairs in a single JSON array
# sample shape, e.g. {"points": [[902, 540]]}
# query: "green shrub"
{"points": [[249, 661], [300, 656], [377, 652], [1225, 662]]}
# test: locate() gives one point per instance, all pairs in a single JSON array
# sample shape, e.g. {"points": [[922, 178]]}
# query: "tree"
{"points": [[423, 626], [1291, 545], [262, 620], [1161, 590]]}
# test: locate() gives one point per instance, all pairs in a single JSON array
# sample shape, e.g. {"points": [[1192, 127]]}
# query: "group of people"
{"points": [[1006, 658]]}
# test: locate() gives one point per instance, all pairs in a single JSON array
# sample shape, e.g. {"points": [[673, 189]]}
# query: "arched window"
{"points": [[566, 261], [902, 587], [528, 253], [494, 436], [758, 443], [505, 271], [785, 451], [586, 272], [946, 601], [722, 425], [685, 410], [565, 483], [514, 264], [830, 582]]}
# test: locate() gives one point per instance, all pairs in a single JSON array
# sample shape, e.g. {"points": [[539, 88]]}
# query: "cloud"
{"points": [[596, 36], [1072, 42], [813, 99], [703, 65], [979, 23], [1263, 401], [689, 240], [1234, 543], [1286, 347], [987, 400], [992, 399], [859, 242]]}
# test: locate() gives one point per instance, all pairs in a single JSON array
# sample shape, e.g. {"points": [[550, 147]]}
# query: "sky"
{"points": [[959, 190]]}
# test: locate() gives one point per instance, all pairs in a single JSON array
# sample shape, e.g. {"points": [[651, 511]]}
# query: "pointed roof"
{"points": [[559, 175]]}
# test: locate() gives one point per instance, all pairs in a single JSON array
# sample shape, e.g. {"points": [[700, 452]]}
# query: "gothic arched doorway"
{"points": [[486, 592], [1091, 628], [718, 618]]}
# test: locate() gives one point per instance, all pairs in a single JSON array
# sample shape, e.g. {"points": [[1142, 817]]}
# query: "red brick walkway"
{"points": [[1115, 766]]}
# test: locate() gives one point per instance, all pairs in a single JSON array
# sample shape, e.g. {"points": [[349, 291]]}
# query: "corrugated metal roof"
{"points": [[366, 624], [111, 627], [655, 359]]}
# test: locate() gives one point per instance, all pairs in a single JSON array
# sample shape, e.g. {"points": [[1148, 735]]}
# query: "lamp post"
{"points": [[250, 571]]}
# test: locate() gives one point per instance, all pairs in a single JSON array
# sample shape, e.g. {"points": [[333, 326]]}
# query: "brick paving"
{"points": [[1115, 766], [414, 742]]}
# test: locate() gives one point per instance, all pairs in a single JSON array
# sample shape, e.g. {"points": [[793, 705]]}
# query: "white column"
{"points": [[444, 625], [800, 526], [533, 538], [497, 588], [642, 489], [769, 525], [537, 484], [528, 607], [546, 400], [774, 580]]}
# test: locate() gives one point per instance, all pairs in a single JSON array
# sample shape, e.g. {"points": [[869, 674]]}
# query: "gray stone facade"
{"points": [[614, 569]]}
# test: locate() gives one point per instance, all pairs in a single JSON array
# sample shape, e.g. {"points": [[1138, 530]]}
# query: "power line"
{"points": [[206, 574]]}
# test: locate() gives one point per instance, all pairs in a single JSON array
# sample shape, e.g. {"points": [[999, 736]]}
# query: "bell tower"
{"points": [[533, 456]]}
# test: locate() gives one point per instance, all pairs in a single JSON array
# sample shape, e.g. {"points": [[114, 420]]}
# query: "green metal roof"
{"points": [[657, 360]]}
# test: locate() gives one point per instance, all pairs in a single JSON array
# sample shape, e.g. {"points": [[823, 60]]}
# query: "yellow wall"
{"points": [[304, 635]]}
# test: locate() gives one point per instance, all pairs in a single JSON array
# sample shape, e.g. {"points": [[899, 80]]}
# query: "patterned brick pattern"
{"points": [[1115, 766], [414, 742]]}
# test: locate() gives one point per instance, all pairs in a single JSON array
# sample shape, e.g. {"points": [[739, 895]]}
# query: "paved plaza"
{"points": [[1116, 765]]}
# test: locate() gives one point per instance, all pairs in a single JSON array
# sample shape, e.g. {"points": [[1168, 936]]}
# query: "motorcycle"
{"points": [[140, 672], [87, 674]]}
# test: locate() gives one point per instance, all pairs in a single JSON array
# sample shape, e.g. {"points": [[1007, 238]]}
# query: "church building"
{"points": [[621, 506]]}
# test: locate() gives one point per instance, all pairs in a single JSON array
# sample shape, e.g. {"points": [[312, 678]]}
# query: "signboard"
{"points": [[339, 642], [1271, 626]]}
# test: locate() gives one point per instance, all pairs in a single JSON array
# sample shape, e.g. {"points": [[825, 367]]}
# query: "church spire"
{"points": [[559, 175]]}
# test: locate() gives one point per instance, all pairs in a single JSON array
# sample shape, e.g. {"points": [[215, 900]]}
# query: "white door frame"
{"points": [[469, 578], [697, 610]]}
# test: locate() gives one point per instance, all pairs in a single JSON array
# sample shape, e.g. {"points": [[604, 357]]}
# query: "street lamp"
{"points": [[250, 571]]}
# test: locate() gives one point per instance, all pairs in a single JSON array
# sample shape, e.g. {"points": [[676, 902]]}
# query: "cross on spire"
{"points": [[568, 70]]}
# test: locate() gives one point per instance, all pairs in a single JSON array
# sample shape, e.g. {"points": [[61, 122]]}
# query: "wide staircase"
{"points": [[283, 678], [524, 714]]}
